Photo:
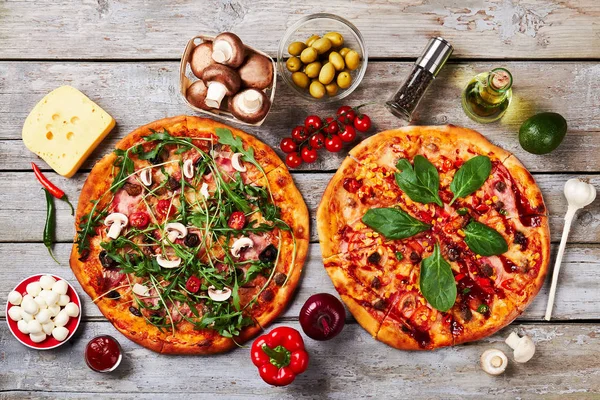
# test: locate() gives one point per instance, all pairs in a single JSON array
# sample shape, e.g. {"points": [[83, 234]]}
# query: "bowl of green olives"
{"points": [[322, 57]]}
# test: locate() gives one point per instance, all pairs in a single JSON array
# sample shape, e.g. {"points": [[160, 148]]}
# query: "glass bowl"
{"points": [[319, 24]]}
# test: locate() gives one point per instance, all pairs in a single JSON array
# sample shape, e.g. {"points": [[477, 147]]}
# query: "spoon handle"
{"points": [[561, 251]]}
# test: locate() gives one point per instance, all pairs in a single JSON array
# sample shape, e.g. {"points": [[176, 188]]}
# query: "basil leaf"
{"points": [[484, 240], [422, 183], [393, 223], [470, 176], [437, 281]]}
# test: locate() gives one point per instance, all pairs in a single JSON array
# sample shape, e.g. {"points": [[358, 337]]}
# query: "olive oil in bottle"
{"points": [[487, 96]]}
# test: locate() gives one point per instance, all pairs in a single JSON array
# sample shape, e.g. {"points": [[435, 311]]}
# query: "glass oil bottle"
{"points": [[487, 96]]}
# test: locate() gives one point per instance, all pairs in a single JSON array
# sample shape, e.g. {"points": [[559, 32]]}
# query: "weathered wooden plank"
{"points": [[577, 296], [566, 363], [138, 93], [142, 30], [23, 207]]}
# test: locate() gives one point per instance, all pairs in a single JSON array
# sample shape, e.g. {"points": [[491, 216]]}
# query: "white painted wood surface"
{"points": [[123, 54]]}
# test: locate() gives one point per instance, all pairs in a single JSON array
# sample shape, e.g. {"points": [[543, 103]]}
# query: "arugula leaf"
{"points": [[126, 168], [393, 223], [470, 176], [437, 281], [226, 137], [422, 183], [484, 240]]}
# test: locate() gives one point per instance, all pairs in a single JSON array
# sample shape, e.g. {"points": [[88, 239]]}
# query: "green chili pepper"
{"points": [[50, 226]]}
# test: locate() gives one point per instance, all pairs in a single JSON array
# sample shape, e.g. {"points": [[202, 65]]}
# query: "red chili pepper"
{"points": [[279, 356], [50, 187], [459, 276]]}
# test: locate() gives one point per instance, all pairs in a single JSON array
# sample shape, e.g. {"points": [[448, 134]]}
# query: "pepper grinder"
{"points": [[426, 68]]}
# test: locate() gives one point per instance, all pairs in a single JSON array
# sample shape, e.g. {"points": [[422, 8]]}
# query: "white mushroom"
{"points": [[175, 230], [523, 346], [235, 163], [204, 190], [146, 176], [219, 295], [116, 222], [188, 169], [494, 361], [140, 290], [167, 263], [239, 244]]}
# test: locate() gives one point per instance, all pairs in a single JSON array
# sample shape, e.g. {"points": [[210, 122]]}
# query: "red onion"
{"points": [[322, 317]]}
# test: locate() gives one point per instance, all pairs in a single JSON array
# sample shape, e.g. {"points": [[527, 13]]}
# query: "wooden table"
{"points": [[124, 55]]}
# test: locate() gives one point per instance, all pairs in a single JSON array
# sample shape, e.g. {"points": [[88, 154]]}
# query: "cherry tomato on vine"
{"points": [[299, 134], [288, 145], [333, 127], [313, 123], [362, 123], [309, 155], [348, 134], [139, 220], [317, 141], [293, 160], [333, 143], [346, 114], [193, 284], [237, 220]]}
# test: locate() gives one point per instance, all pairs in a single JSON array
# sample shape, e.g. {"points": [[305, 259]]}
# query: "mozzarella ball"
{"points": [[47, 327], [44, 293], [61, 319], [34, 326], [47, 281], [40, 302], [60, 287], [33, 288], [72, 310], [15, 298], [14, 313], [22, 325], [63, 300], [51, 298], [54, 310], [37, 337], [43, 316], [29, 305], [60, 333], [26, 316]]}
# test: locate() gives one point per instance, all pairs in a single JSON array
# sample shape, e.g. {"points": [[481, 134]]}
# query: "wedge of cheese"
{"points": [[64, 128]]}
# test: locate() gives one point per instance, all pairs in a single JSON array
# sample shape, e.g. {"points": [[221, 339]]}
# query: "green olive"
{"points": [[296, 48], [317, 90], [312, 70], [344, 51], [337, 60], [293, 64], [308, 55], [300, 79], [332, 88], [335, 37], [312, 39], [321, 45], [352, 60], [344, 79], [327, 74]]}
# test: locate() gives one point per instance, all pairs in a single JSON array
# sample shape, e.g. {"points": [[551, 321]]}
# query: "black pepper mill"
{"points": [[427, 66]]}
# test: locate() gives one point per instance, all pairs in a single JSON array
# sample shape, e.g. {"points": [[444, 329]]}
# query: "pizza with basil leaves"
{"points": [[191, 236], [433, 236]]}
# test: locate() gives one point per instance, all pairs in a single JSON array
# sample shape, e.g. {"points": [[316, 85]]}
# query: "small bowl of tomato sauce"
{"points": [[103, 353]]}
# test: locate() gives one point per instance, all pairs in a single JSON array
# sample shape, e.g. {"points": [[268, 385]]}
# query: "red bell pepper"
{"points": [[279, 356]]}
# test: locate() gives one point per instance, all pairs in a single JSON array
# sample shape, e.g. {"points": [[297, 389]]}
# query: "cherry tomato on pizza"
{"points": [[237, 220], [139, 220]]}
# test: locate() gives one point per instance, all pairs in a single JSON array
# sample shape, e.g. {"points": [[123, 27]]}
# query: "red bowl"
{"points": [[50, 342]]}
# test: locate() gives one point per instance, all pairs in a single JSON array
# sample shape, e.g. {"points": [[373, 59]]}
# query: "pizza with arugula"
{"points": [[433, 236], [191, 236]]}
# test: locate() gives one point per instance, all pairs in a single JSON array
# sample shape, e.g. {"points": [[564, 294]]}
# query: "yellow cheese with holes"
{"points": [[64, 128]]}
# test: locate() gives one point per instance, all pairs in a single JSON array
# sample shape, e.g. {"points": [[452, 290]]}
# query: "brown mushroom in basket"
{"points": [[221, 81], [196, 94], [228, 49], [201, 58], [249, 105], [256, 72]]}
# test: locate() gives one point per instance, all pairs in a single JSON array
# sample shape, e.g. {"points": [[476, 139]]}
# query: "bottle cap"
{"points": [[434, 57]]}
